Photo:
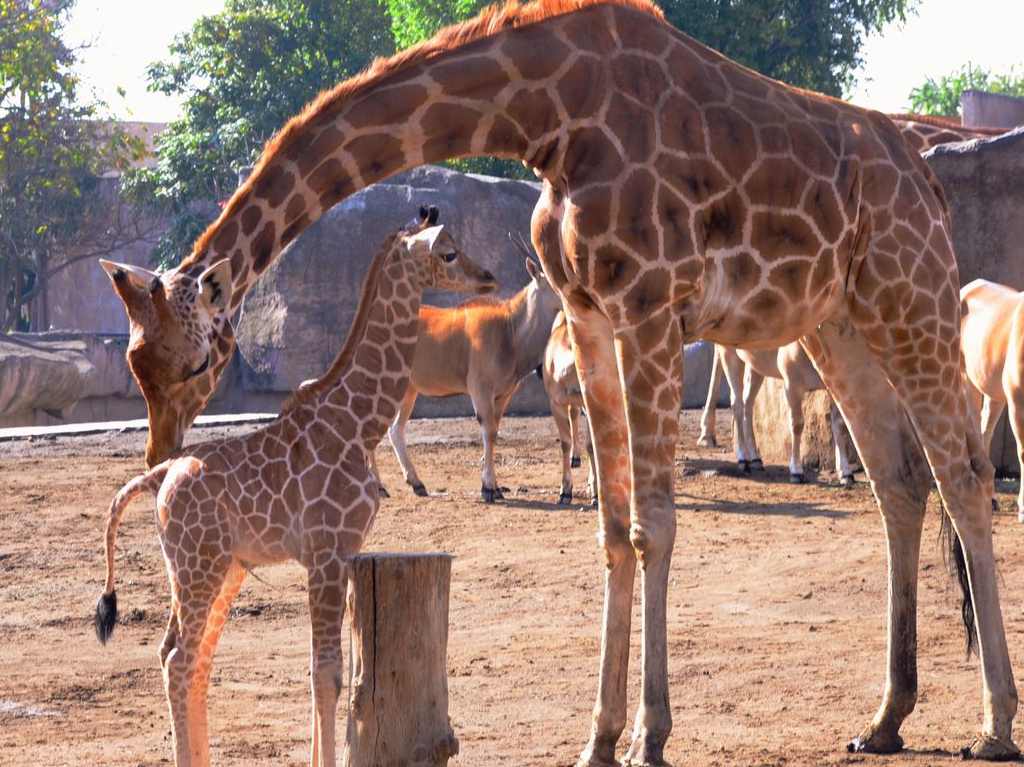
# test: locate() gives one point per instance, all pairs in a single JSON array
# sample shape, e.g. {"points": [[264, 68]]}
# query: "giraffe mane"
{"points": [[942, 121], [487, 23], [355, 332]]}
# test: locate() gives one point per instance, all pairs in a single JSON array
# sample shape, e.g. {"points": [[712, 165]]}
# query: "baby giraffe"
{"points": [[297, 489]]}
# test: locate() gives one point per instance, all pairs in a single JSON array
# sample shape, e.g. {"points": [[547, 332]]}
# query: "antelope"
{"points": [[562, 385], [793, 366], [992, 329], [484, 348]]}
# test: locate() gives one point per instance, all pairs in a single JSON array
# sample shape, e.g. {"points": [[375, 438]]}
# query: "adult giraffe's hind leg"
{"points": [[926, 373], [901, 483], [598, 371], [652, 374]]}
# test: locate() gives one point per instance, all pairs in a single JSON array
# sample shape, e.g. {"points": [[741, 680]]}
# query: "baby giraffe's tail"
{"points": [[106, 607]]}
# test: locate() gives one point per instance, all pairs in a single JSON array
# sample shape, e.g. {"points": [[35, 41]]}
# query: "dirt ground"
{"points": [[776, 614]]}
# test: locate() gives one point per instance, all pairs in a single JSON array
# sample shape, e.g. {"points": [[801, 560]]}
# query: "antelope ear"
{"points": [[215, 286], [532, 268], [143, 278]]}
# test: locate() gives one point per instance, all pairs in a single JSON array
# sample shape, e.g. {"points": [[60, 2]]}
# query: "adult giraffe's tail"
{"points": [[106, 607]]}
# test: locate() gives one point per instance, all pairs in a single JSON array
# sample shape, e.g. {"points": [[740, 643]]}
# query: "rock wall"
{"points": [[982, 180], [991, 110]]}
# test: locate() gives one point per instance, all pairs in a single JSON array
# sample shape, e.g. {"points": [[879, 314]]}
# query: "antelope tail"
{"points": [[106, 607]]}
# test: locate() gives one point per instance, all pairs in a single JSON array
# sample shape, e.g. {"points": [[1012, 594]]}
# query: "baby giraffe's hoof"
{"points": [[420, 490], [565, 499], [991, 749], [757, 464], [743, 466], [707, 440], [847, 481], [491, 494], [995, 506], [574, 462], [382, 492], [796, 479]]}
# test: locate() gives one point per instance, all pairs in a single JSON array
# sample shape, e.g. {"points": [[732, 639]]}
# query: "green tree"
{"points": [[53, 148], [942, 96], [813, 44], [243, 73]]}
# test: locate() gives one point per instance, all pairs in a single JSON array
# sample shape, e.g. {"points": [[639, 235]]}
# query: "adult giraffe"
{"points": [[685, 196]]}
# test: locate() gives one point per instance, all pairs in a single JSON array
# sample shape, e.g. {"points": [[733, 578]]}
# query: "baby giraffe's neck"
{"points": [[363, 389]]}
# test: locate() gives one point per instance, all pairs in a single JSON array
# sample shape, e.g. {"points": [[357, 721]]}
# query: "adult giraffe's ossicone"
{"points": [[685, 196]]}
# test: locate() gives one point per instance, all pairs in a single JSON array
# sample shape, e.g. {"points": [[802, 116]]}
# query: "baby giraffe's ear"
{"points": [[432, 214], [215, 286], [532, 268]]}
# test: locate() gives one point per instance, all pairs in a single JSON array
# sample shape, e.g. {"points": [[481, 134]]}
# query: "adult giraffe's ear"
{"points": [[215, 287], [136, 275]]}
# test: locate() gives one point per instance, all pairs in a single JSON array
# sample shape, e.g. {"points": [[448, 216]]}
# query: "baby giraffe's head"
{"points": [[443, 265]]}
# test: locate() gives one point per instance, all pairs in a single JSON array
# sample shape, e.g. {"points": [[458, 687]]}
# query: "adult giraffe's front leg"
{"points": [[598, 371], [651, 366]]}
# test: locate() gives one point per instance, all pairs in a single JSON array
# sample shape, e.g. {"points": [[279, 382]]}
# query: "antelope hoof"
{"points": [[757, 464], [574, 462], [565, 499], [875, 742], [847, 481], [796, 479], [491, 494], [991, 749], [744, 466], [420, 489]]}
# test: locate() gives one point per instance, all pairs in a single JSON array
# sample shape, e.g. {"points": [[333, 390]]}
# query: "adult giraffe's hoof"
{"points": [[565, 499], [593, 502], [847, 481], [757, 464], [707, 440], [875, 742], [574, 462], [491, 494], [645, 753], [743, 466], [796, 479], [420, 489], [991, 749]]}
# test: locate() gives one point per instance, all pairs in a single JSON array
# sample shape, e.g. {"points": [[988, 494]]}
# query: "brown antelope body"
{"points": [[992, 328], [483, 348]]}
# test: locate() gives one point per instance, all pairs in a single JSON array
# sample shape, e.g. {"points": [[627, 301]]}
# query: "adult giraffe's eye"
{"points": [[449, 257]]}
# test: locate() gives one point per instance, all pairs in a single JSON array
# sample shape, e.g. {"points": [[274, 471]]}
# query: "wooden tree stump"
{"points": [[398, 713]]}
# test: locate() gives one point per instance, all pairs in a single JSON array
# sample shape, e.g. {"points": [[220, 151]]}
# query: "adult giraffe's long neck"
{"points": [[364, 387], [445, 99]]}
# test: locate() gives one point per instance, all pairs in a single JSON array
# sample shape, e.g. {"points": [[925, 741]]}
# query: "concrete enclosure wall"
{"points": [[991, 110]]}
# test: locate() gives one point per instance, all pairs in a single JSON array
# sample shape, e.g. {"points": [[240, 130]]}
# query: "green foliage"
{"points": [[243, 73], [813, 44], [53, 146], [415, 20], [942, 96]]}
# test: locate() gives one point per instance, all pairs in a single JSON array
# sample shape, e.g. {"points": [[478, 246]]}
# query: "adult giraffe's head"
{"points": [[175, 319]]}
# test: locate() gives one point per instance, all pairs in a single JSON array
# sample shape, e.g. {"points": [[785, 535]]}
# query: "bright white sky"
{"points": [[126, 35]]}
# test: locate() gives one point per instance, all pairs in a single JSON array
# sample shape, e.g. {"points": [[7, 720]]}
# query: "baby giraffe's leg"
{"points": [[752, 381], [194, 595], [328, 581], [214, 627], [795, 400]]}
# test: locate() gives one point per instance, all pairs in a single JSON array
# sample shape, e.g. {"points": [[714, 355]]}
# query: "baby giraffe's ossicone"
{"points": [[297, 489]]}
